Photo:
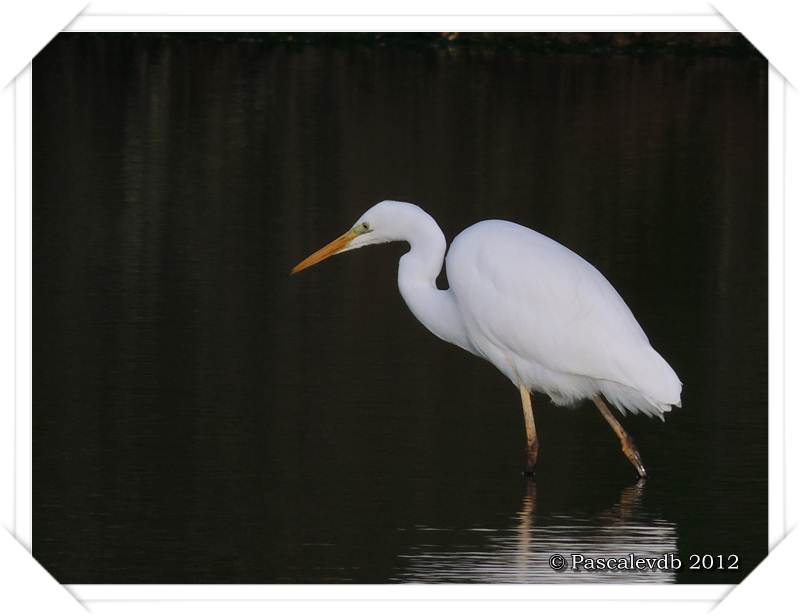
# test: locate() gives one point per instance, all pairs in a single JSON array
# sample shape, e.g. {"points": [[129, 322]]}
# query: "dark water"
{"points": [[200, 416]]}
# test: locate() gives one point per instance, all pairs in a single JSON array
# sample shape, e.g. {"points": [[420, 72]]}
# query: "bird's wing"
{"points": [[524, 292]]}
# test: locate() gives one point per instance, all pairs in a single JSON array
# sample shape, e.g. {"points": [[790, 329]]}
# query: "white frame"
{"points": [[694, 22]]}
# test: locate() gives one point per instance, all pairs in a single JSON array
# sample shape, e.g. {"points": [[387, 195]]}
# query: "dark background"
{"points": [[200, 416]]}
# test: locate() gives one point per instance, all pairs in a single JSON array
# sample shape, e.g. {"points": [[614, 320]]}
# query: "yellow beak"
{"points": [[335, 247]]}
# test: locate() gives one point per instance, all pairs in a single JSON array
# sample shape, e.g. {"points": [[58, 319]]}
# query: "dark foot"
{"points": [[632, 453], [531, 457]]}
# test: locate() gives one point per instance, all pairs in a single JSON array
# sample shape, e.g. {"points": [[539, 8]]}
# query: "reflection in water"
{"points": [[521, 551]]}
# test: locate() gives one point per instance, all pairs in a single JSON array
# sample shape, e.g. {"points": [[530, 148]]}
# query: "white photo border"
{"points": [[540, 23]]}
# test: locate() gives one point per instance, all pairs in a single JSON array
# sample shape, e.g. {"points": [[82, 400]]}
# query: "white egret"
{"points": [[544, 317]]}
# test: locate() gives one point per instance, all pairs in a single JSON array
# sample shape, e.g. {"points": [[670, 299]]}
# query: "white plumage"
{"points": [[541, 314]]}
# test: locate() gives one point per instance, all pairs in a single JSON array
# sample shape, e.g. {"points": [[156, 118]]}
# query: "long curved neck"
{"points": [[435, 308]]}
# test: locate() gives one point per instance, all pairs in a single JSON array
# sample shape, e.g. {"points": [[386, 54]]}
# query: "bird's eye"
{"points": [[365, 226]]}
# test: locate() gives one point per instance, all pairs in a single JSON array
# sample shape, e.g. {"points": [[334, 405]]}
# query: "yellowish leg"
{"points": [[625, 439], [531, 442]]}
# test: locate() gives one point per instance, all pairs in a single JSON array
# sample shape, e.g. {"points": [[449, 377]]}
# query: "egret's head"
{"points": [[385, 222]]}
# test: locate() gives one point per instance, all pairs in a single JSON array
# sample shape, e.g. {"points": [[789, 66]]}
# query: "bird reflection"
{"points": [[525, 524], [630, 500], [521, 551]]}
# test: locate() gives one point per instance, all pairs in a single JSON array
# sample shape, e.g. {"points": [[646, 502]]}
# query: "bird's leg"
{"points": [[625, 439], [531, 442]]}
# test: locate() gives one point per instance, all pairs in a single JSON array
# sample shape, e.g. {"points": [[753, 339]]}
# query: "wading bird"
{"points": [[545, 317]]}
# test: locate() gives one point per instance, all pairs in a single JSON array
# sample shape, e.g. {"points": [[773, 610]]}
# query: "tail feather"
{"points": [[653, 387]]}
